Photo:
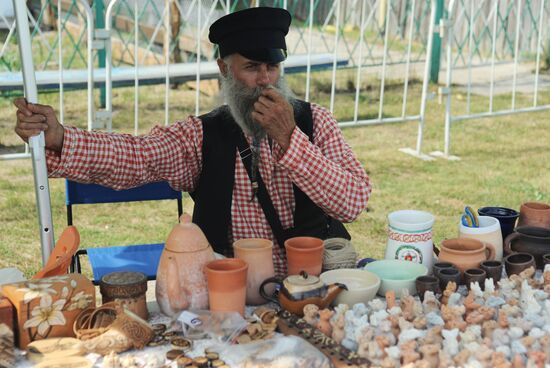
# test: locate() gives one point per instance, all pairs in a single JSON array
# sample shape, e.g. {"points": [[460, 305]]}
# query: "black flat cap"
{"points": [[255, 33]]}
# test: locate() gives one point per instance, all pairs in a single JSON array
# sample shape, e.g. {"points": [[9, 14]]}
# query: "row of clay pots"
{"points": [[189, 276]]}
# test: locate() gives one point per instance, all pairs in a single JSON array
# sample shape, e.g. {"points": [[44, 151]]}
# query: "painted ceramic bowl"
{"points": [[362, 285], [397, 275]]}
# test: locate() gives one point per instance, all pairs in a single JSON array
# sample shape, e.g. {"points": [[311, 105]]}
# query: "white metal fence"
{"points": [[495, 50], [366, 44]]}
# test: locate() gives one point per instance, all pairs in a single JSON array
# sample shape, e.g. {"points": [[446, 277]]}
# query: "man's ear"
{"points": [[222, 66]]}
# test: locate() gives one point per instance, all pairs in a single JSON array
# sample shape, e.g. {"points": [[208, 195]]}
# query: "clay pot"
{"points": [[517, 262], [529, 239], [534, 214], [258, 253], [447, 275], [304, 253], [426, 283], [227, 285], [506, 216], [546, 259], [181, 282], [438, 266], [475, 275], [493, 269], [465, 253]]}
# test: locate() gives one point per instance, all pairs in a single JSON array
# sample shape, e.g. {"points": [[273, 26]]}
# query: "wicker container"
{"points": [[128, 288]]}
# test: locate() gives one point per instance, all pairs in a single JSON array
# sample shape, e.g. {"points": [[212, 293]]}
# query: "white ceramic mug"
{"points": [[488, 232], [410, 237]]}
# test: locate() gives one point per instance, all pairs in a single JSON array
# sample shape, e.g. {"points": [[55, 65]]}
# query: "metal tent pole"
{"points": [[36, 143]]}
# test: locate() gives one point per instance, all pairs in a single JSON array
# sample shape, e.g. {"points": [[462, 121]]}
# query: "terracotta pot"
{"points": [[534, 214], [227, 285], [181, 283], [529, 239], [517, 262], [447, 275], [493, 269], [426, 283], [465, 253], [304, 253], [258, 253], [475, 275]]}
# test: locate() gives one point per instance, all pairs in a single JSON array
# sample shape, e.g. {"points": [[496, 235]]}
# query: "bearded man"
{"points": [[265, 165]]}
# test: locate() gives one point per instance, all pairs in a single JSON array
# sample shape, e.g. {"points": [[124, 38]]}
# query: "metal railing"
{"points": [[514, 34]]}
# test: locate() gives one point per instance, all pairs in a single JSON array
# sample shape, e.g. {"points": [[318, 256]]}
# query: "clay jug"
{"points": [[465, 253], [181, 282], [258, 253]]}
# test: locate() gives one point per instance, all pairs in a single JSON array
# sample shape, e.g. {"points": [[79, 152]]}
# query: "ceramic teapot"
{"points": [[181, 281], [296, 291]]}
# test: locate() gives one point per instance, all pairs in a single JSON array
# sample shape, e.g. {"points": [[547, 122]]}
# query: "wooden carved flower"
{"points": [[46, 314], [35, 290]]}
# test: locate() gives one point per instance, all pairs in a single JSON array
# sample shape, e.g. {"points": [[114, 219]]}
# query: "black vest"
{"points": [[214, 192]]}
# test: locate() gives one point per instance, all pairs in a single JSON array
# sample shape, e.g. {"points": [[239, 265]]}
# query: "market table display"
{"points": [[485, 321]]}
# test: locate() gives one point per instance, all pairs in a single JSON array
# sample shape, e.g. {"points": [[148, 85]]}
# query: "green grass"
{"points": [[504, 161]]}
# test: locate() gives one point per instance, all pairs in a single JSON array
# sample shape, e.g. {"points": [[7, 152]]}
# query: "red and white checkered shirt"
{"points": [[327, 170]]}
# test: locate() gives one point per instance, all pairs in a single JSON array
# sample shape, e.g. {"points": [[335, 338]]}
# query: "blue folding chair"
{"points": [[141, 258]]}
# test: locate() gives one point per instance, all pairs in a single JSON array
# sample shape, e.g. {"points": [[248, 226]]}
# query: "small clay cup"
{"points": [[545, 260], [473, 275], [517, 262], [493, 269], [426, 283], [226, 280], [304, 253], [438, 266], [447, 275]]}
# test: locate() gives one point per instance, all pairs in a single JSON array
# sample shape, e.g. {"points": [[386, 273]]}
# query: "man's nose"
{"points": [[263, 76]]}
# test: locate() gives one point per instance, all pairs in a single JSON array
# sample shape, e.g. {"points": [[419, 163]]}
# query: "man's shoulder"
{"points": [[219, 112]]}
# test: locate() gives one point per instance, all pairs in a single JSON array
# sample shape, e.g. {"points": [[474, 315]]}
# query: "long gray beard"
{"points": [[240, 99]]}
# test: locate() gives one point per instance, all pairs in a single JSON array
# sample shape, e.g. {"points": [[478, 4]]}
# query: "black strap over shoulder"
{"points": [[213, 195]]}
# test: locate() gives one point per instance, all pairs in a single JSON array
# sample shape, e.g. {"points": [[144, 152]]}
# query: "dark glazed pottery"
{"points": [[447, 275], [506, 216], [529, 239], [493, 269], [438, 266], [545, 260], [517, 262], [475, 275], [426, 283]]}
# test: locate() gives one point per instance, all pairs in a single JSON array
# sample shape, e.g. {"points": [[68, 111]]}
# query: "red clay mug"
{"points": [[304, 253]]}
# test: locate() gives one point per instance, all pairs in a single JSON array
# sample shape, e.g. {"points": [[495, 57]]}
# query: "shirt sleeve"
{"points": [[327, 170], [121, 161]]}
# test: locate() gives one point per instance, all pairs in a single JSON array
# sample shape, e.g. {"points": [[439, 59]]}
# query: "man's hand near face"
{"points": [[276, 115]]}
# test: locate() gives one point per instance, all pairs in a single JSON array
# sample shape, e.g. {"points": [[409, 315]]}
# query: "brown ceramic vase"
{"points": [[258, 253], [227, 285], [304, 253], [465, 253], [181, 282], [534, 214]]}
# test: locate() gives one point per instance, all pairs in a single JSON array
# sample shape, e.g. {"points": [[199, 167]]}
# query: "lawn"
{"points": [[504, 162]]}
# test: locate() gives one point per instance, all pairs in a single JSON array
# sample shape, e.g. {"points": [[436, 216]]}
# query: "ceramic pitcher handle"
{"points": [[271, 280], [508, 242], [490, 249]]}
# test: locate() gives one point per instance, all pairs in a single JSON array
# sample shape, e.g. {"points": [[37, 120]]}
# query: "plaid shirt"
{"points": [[327, 170]]}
